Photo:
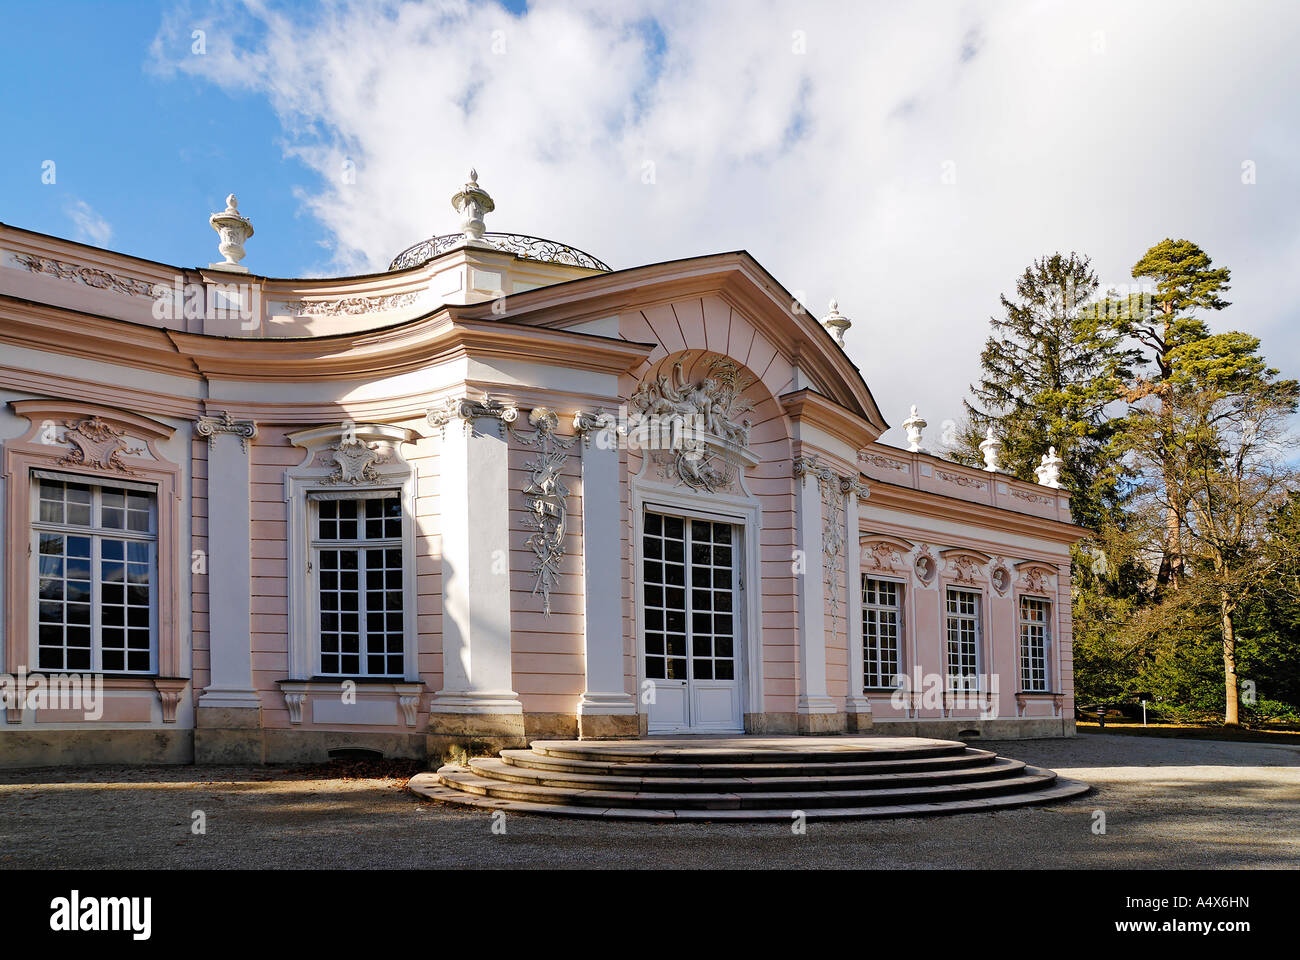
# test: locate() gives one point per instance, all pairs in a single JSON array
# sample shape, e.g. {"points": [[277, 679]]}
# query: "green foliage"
{"points": [[1050, 370], [1192, 568]]}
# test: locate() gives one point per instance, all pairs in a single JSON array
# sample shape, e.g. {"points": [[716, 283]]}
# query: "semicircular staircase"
{"points": [[745, 778]]}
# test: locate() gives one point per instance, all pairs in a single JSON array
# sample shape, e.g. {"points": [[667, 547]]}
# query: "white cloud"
{"points": [[90, 226], [1101, 129]]}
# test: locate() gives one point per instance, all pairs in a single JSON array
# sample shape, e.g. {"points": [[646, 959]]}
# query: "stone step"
{"points": [[467, 780], [599, 777], [428, 785], [533, 760], [751, 749]]}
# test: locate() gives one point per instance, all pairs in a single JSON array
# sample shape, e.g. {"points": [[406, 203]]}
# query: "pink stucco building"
{"points": [[495, 493]]}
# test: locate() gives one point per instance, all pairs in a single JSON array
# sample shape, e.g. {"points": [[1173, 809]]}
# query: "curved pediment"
{"points": [[725, 303]]}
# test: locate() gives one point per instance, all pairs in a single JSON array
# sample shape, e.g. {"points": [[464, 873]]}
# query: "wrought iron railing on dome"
{"points": [[521, 245]]}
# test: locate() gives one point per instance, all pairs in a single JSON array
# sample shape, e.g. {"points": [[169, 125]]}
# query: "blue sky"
{"points": [[909, 160], [151, 155]]}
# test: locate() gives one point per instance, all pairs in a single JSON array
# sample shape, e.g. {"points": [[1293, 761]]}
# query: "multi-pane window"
{"points": [[964, 631], [676, 552], [1035, 637], [359, 564], [96, 551], [882, 618]]}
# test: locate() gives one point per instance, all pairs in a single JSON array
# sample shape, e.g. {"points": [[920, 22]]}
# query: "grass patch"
{"points": [[1196, 731]]}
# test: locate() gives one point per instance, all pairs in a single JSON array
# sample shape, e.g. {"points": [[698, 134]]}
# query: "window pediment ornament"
{"points": [[699, 424], [879, 553], [98, 444], [352, 454], [966, 567], [1036, 576], [356, 459]]}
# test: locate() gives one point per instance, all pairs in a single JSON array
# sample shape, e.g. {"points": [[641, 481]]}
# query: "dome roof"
{"points": [[473, 202]]}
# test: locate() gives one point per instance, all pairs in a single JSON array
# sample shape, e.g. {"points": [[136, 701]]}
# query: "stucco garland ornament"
{"points": [[546, 497], [688, 415], [355, 459]]}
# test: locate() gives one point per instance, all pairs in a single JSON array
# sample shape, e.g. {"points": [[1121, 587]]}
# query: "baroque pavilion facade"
{"points": [[498, 492]]}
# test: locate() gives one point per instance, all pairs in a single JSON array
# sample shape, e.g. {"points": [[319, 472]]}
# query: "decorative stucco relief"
{"points": [[97, 444], [90, 276], [694, 431], [966, 568], [546, 496], [354, 459], [925, 565], [469, 411], [351, 306], [209, 427], [833, 488]]}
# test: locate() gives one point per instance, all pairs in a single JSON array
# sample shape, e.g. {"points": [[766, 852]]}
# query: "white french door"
{"points": [[690, 588]]}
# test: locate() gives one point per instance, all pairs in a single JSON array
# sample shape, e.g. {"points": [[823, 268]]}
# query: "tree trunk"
{"points": [[1229, 665]]}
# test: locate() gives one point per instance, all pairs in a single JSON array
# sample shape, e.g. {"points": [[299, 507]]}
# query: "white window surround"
{"points": [[319, 474]]}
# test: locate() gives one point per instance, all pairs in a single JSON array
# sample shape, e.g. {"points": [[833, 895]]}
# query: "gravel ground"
{"points": [[1168, 803]]}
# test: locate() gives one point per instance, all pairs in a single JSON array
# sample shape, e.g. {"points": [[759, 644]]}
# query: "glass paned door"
{"points": [[690, 584]]}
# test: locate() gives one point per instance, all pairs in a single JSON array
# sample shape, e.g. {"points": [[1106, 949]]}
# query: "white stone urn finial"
{"points": [[991, 447], [1048, 470], [472, 202], [234, 229], [914, 424], [836, 322]]}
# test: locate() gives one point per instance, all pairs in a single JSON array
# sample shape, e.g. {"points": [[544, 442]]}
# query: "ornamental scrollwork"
{"points": [[522, 246], [355, 460], [97, 444], [468, 411], [209, 427]]}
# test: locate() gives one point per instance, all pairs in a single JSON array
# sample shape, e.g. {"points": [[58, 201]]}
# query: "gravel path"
{"points": [[1168, 803]]}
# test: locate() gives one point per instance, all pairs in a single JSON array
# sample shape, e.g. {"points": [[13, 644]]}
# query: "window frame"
{"points": [[1046, 624], [362, 545], [978, 620], [96, 533], [900, 609]]}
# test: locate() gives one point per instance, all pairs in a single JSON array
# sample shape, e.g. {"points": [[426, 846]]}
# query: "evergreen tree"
{"points": [[1050, 369], [1213, 454], [1162, 323]]}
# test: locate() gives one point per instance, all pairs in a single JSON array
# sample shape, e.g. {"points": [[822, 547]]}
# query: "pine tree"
{"points": [[1214, 453], [1186, 281], [1051, 368]]}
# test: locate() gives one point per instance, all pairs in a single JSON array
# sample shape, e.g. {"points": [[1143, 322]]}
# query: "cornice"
{"points": [[411, 345], [811, 407], [62, 330]]}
